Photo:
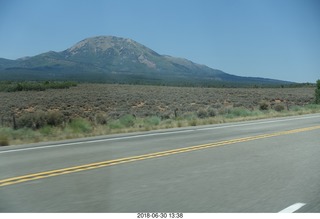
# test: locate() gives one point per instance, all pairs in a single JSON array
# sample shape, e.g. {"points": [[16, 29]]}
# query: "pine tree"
{"points": [[317, 92]]}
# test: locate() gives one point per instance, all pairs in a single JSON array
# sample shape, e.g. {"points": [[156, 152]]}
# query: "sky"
{"points": [[278, 39]]}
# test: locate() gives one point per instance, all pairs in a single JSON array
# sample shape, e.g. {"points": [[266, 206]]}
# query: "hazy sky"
{"points": [[277, 39]]}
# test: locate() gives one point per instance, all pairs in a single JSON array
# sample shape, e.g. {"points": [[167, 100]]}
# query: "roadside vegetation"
{"points": [[50, 127], [94, 109]]}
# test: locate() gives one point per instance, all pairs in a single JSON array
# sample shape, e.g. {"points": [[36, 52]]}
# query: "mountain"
{"points": [[118, 60]]}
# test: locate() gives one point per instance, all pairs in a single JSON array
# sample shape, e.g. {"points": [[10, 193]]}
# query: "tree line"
{"points": [[9, 86]]}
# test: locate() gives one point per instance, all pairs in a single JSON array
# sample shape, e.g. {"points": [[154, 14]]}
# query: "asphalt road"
{"points": [[267, 165]]}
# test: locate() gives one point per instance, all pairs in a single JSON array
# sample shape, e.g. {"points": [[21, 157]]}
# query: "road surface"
{"points": [[269, 165]]}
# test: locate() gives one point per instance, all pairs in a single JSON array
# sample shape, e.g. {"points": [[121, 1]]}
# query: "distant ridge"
{"points": [[111, 59]]}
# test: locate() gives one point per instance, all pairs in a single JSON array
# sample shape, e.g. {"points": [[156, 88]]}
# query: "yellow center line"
{"points": [[58, 172]]}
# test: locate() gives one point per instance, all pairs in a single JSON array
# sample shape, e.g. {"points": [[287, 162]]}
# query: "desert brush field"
{"points": [[95, 109]]}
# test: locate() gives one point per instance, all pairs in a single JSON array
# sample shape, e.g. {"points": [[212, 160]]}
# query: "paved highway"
{"points": [[269, 165]]}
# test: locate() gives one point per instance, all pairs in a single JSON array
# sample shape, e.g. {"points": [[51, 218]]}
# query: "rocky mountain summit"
{"points": [[113, 59]]}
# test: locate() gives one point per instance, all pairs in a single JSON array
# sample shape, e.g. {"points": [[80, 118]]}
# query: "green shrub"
{"points": [[165, 115], [101, 119], [278, 107], [263, 105], [39, 119], [240, 112], [34, 120], [224, 110], [296, 108], [21, 134], [153, 120], [212, 112], [80, 125], [127, 120], [202, 113], [46, 130], [192, 122], [4, 141], [115, 124], [317, 93], [54, 118], [312, 106], [187, 116]]}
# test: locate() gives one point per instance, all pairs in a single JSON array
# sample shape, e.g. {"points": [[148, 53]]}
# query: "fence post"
{"points": [[175, 112], [14, 121]]}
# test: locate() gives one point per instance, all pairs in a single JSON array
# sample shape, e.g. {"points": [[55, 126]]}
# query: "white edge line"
{"points": [[292, 208], [155, 134], [258, 123], [95, 141]]}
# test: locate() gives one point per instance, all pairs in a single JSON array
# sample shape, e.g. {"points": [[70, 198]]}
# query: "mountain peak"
{"points": [[116, 59], [109, 51], [99, 43]]}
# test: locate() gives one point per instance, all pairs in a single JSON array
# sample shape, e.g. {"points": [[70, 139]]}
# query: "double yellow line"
{"points": [[58, 172]]}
